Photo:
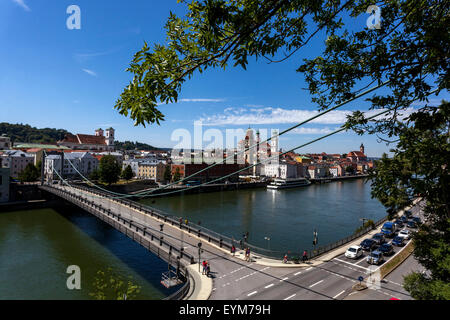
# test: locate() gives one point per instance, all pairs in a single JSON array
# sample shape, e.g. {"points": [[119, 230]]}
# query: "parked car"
{"points": [[416, 220], [399, 223], [368, 244], [375, 257], [411, 225], [388, 229], [354, 252], [405, 233], [404, 219], [386, 249], [379, 238], [398, 241], [407, 213]]}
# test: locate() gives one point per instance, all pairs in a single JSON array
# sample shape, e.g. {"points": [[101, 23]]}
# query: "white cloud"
{"points": [[303, 130], [90, 72], [194, 100], [22, 4], [269, 115]]}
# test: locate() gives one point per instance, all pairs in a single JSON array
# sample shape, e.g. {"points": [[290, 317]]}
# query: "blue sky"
{"points": [[55, 77]]}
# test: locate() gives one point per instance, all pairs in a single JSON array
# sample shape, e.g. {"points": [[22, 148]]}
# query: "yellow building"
{"points": [[151, 171], [303, 159]]}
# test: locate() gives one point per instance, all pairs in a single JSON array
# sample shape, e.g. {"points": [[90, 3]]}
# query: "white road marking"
{"points": [[252, 293], [290, 297], [315, 283], [296, 274], [268, 286], [338, 294], [352, 264], [308, 268], [284, 279]]}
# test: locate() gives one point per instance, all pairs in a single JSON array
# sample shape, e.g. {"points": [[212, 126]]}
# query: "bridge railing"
{"points": [[125, 225], [323, 249], [219, 239], [203, 233]]}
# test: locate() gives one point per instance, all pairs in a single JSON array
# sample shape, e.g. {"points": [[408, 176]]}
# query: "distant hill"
{"points": [[26, 133], [130, 145]]}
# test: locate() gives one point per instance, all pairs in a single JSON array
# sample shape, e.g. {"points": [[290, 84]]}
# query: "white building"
{"points": [[281, 170], [16, 161], [84, 162]]}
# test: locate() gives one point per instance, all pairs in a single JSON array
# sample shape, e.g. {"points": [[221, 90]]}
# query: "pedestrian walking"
{"points": [[305, 256], [204, 267], [285, 259], [248, 254], [233, 249], [208, 270]]}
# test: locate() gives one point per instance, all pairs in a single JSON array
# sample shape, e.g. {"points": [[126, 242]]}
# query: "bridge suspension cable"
{"points": [[320, 114], [266, 160]]}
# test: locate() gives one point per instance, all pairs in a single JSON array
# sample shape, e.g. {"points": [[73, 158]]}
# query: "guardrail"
{"points": [[321, 250], [136, 231], [192, 228]]}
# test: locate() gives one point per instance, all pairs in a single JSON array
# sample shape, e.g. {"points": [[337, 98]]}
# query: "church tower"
{"points": [[109, 138]]}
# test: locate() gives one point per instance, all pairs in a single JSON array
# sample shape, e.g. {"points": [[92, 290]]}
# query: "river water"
{"points": [[37, 246], [288, 217]]}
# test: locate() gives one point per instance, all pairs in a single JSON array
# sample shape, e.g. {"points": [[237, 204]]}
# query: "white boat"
{"points": [[288, 183]]}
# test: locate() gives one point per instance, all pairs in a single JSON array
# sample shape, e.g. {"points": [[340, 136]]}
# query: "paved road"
{"points": [[334, 280], [234, 278]]}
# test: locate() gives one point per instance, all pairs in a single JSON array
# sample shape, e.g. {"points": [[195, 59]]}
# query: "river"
{"points": [[288, 217], [37, 246]]}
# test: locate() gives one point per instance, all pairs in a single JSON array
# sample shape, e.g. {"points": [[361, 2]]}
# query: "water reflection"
{"points": [[289, 215]]}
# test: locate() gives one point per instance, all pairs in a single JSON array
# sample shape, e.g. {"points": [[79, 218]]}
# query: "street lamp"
{"points": [[199, 253], [268, 242]]}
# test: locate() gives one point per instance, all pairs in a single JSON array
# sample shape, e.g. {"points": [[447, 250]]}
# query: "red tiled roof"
{"points": [[70, 138], [84, 139], [91, 139]]}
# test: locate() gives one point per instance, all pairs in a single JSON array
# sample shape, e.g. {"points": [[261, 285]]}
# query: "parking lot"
{"points": [[361, 263]]}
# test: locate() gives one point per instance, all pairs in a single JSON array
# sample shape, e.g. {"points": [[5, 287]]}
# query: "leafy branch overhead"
{"points": [[411, 50]]}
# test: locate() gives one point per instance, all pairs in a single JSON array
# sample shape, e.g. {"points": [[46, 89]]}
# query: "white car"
{"points": [[354, 252], [405, 234]]}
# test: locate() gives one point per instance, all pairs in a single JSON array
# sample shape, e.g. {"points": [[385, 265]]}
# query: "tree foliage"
{"points": [[109, 285], [26, 133], [127, 173], [30, 173], [130, 145], [109, 169], [167, 173], [408, 55], [419, 167], [177, 175]]}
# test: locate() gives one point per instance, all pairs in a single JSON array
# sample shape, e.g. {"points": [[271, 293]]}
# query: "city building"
{"points": [[37, 149], [148, 170], [84, 162], [249, 154], [357, 156], [97, 142], [283, 170], [5, 142], [16, 161]]}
